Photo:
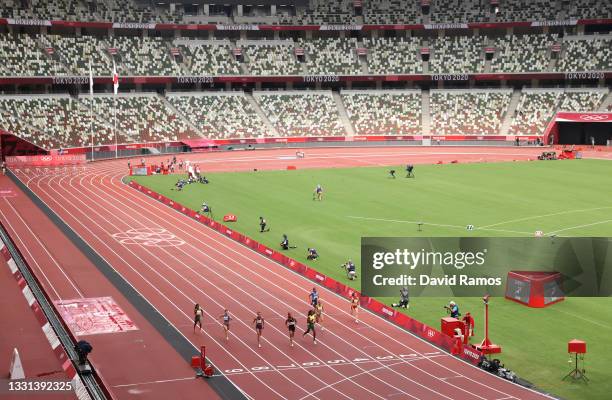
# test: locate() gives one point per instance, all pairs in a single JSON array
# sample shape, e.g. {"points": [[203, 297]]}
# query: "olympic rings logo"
{"points": [[150, 237], [591, 117], [46, 158]]}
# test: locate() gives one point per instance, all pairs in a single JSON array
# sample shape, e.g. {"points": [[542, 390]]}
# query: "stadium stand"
{"points": [[144, 117], [588, 9], [77, 52], [457, 54], [145, 56], [527, 10], [525, 53], [534, 111], [331, 56], [69, 10], [275, 58], [394, 55], [378, 12], [586, 53], [458, 11], [23, 55], [125, 11], [219, 115], [468, 112], [208, 57], [312, 113], [321, 12], [384, 112], [537, 106], [52, 121]]}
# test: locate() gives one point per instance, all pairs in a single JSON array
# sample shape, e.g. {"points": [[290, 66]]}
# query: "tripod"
{"points": [[577, 373]]}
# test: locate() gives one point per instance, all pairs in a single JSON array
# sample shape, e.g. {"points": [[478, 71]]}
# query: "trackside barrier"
{"points": [[423, 331], [80, 389]]}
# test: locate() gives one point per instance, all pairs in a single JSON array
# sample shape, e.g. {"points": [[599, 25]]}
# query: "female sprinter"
{"points": [[291, 324], [258, 321]]}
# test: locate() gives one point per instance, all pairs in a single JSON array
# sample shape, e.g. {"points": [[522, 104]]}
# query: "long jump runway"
{"points": [[175, 262]]}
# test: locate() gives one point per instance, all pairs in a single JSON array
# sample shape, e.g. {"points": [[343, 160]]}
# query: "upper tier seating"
{"points": [[458, 11], [457, 54], [209, 58], [394, 55], [23, 55], [77, 52], [145, 56], [526, 53], [383, 12], [270, 58], [322, 12], [590, 53], [526, 10], [331, 56]]}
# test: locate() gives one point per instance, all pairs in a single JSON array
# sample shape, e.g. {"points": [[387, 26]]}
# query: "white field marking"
{"points": [[329, 363], [350, 377], [579, 226], [153, 286], [468, 378], [146, 250], [42, 246], [432, 224], [24, 247], [153, 382], [170, 212], [547, 215], [214, 234], [452, 377], [197, 249], [365, 161], [360, 155], [582, 318]]}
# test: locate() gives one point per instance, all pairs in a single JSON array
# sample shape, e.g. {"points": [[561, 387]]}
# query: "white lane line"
{"points": [[547, 215], [580, 226], [432, 224]]}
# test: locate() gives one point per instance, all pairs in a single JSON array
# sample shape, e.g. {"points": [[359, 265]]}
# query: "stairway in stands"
{"points": [[271, 129], [425, 113], [510, 112], [348, 127]]}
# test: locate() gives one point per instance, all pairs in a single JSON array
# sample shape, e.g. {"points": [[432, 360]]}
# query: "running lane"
{"points": [[188, 263], [135, 362]]}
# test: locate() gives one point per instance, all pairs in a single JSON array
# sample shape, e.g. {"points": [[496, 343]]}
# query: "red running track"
{"points": [[123, 359], [370, 360]]}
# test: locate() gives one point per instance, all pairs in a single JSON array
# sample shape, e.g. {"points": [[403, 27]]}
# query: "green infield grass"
{"points": [[567, 198]]}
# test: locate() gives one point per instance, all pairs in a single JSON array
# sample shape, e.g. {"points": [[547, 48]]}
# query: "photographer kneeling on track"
{"points": [[350, 269]]}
